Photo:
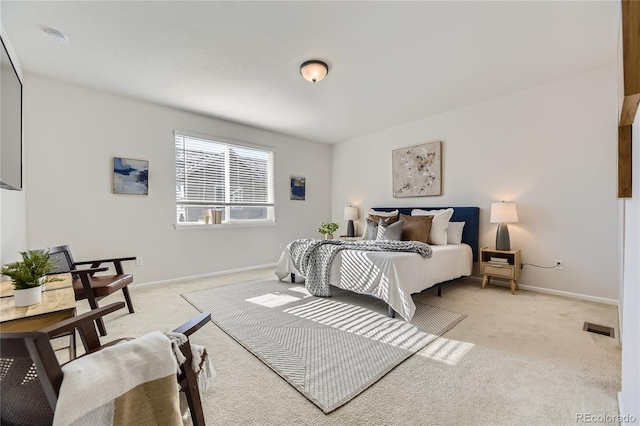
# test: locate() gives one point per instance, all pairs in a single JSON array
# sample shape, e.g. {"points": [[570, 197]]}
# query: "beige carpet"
{"points": [[520, 359]]}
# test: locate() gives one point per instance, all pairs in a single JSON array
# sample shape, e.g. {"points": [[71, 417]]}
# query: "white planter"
{"points": [[328, 236], [28, 296]]}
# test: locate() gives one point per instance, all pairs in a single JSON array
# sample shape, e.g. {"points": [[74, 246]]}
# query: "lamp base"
{"points": [[350, 230], [502, 238]]}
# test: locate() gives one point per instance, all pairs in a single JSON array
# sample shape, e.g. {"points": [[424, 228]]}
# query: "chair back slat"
{"points": [[61, 256]]}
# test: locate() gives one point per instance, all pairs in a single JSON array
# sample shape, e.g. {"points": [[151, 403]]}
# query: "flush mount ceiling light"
{"points": [[314, 70], [57, 35]]}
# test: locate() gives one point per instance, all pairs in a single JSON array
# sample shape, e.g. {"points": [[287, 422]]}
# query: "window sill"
{"points": [[184, 226]]}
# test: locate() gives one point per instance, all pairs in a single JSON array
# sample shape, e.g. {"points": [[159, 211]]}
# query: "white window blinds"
{"points": [[218, 175]]}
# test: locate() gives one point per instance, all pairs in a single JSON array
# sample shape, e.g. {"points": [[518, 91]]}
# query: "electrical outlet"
{"points": [[559, 264], [138, 261]]}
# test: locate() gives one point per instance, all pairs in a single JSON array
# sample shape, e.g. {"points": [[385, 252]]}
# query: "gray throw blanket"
{"points": [[313, 258]]}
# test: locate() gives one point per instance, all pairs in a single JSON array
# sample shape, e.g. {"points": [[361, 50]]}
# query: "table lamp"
{"points": [[502, 213], [350, 214]]}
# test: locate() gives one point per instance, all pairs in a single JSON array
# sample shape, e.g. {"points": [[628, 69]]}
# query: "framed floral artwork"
{"points": [[417, 170]]}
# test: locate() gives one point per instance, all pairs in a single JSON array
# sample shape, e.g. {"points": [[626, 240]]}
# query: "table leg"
{"points": [[513, 285], [485, 280]]}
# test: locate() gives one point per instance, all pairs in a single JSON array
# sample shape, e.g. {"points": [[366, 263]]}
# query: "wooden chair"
{"points": [[93, 287], [30, 375]]}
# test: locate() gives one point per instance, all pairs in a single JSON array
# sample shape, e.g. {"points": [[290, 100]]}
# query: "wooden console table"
{"points": [[58, 304]]}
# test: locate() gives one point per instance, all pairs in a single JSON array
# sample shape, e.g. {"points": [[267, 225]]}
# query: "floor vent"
{"points": [[598, 329]]}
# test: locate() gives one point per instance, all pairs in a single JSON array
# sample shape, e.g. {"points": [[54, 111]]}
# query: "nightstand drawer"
{"points": [[505, 271]]}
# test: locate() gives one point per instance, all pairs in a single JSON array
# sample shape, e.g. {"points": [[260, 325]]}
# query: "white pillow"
{"points": [[454, 232], [384, 214], [438, 233]]}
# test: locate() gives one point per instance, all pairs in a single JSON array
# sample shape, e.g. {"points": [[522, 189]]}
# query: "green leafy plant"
{"points": [[328, 228], [27, 273]]}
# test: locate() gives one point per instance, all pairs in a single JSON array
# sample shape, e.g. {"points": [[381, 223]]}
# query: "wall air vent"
{"points": [[598, 329]]}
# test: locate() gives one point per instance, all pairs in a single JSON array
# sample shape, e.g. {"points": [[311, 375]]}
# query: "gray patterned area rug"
{"points": [[329, 349]]}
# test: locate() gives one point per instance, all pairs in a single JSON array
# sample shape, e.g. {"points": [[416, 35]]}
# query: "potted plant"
{"points": [[327, 229], [28, 276]]}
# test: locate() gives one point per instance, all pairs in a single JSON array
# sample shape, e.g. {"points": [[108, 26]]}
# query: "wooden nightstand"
{"points": [[501, 264]]}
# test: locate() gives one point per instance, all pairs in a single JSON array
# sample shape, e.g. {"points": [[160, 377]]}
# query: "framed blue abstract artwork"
{"points": [[298, 187], [130, 176]]}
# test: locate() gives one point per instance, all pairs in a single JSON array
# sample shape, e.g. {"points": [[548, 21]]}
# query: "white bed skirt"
{"points": [[391, 276]]}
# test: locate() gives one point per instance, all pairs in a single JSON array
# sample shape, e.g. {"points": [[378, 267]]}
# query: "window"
{"points": [[214, 175]]}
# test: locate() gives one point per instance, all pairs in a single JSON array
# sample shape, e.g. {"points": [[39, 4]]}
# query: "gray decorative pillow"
{"points": [[372, 228], [389, 232], [371, 231]]}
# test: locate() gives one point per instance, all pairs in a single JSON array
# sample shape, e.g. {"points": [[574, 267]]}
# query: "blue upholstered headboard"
{"points": [[470, 215]]}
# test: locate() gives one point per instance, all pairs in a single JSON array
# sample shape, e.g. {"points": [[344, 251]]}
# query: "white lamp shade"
{"points": [[350, 213], [503, 212], [314, 70]]}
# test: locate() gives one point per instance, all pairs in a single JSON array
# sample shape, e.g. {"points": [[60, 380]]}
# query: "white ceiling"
{"points": [[390, 62]]}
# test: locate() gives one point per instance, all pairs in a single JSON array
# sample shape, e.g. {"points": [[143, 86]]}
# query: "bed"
{"points": [[394, 277]]}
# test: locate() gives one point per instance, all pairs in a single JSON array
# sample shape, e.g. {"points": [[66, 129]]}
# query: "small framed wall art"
{"points": [[298, 184], [130, 176], [417, 170]]}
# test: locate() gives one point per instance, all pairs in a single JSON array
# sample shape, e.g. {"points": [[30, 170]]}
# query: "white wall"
{"points": [[552, 149], [13, 228], [72, 135], [13, 225], [630, 395]]}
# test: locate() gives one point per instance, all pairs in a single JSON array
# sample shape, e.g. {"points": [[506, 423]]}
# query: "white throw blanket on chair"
{"points": [[132, 382], [200, 363]]}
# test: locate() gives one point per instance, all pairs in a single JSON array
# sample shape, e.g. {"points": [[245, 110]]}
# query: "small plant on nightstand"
{"points": [[327, 229]]}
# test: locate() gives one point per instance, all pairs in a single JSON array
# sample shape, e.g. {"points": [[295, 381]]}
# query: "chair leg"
{"points": [[127, 298], [99, 322], [192, 392], [72, 346], [91, 298], [101, 327]]}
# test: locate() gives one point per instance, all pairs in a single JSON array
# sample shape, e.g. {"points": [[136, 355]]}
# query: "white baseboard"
{"points": [[597, 299], [208, 275]]}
